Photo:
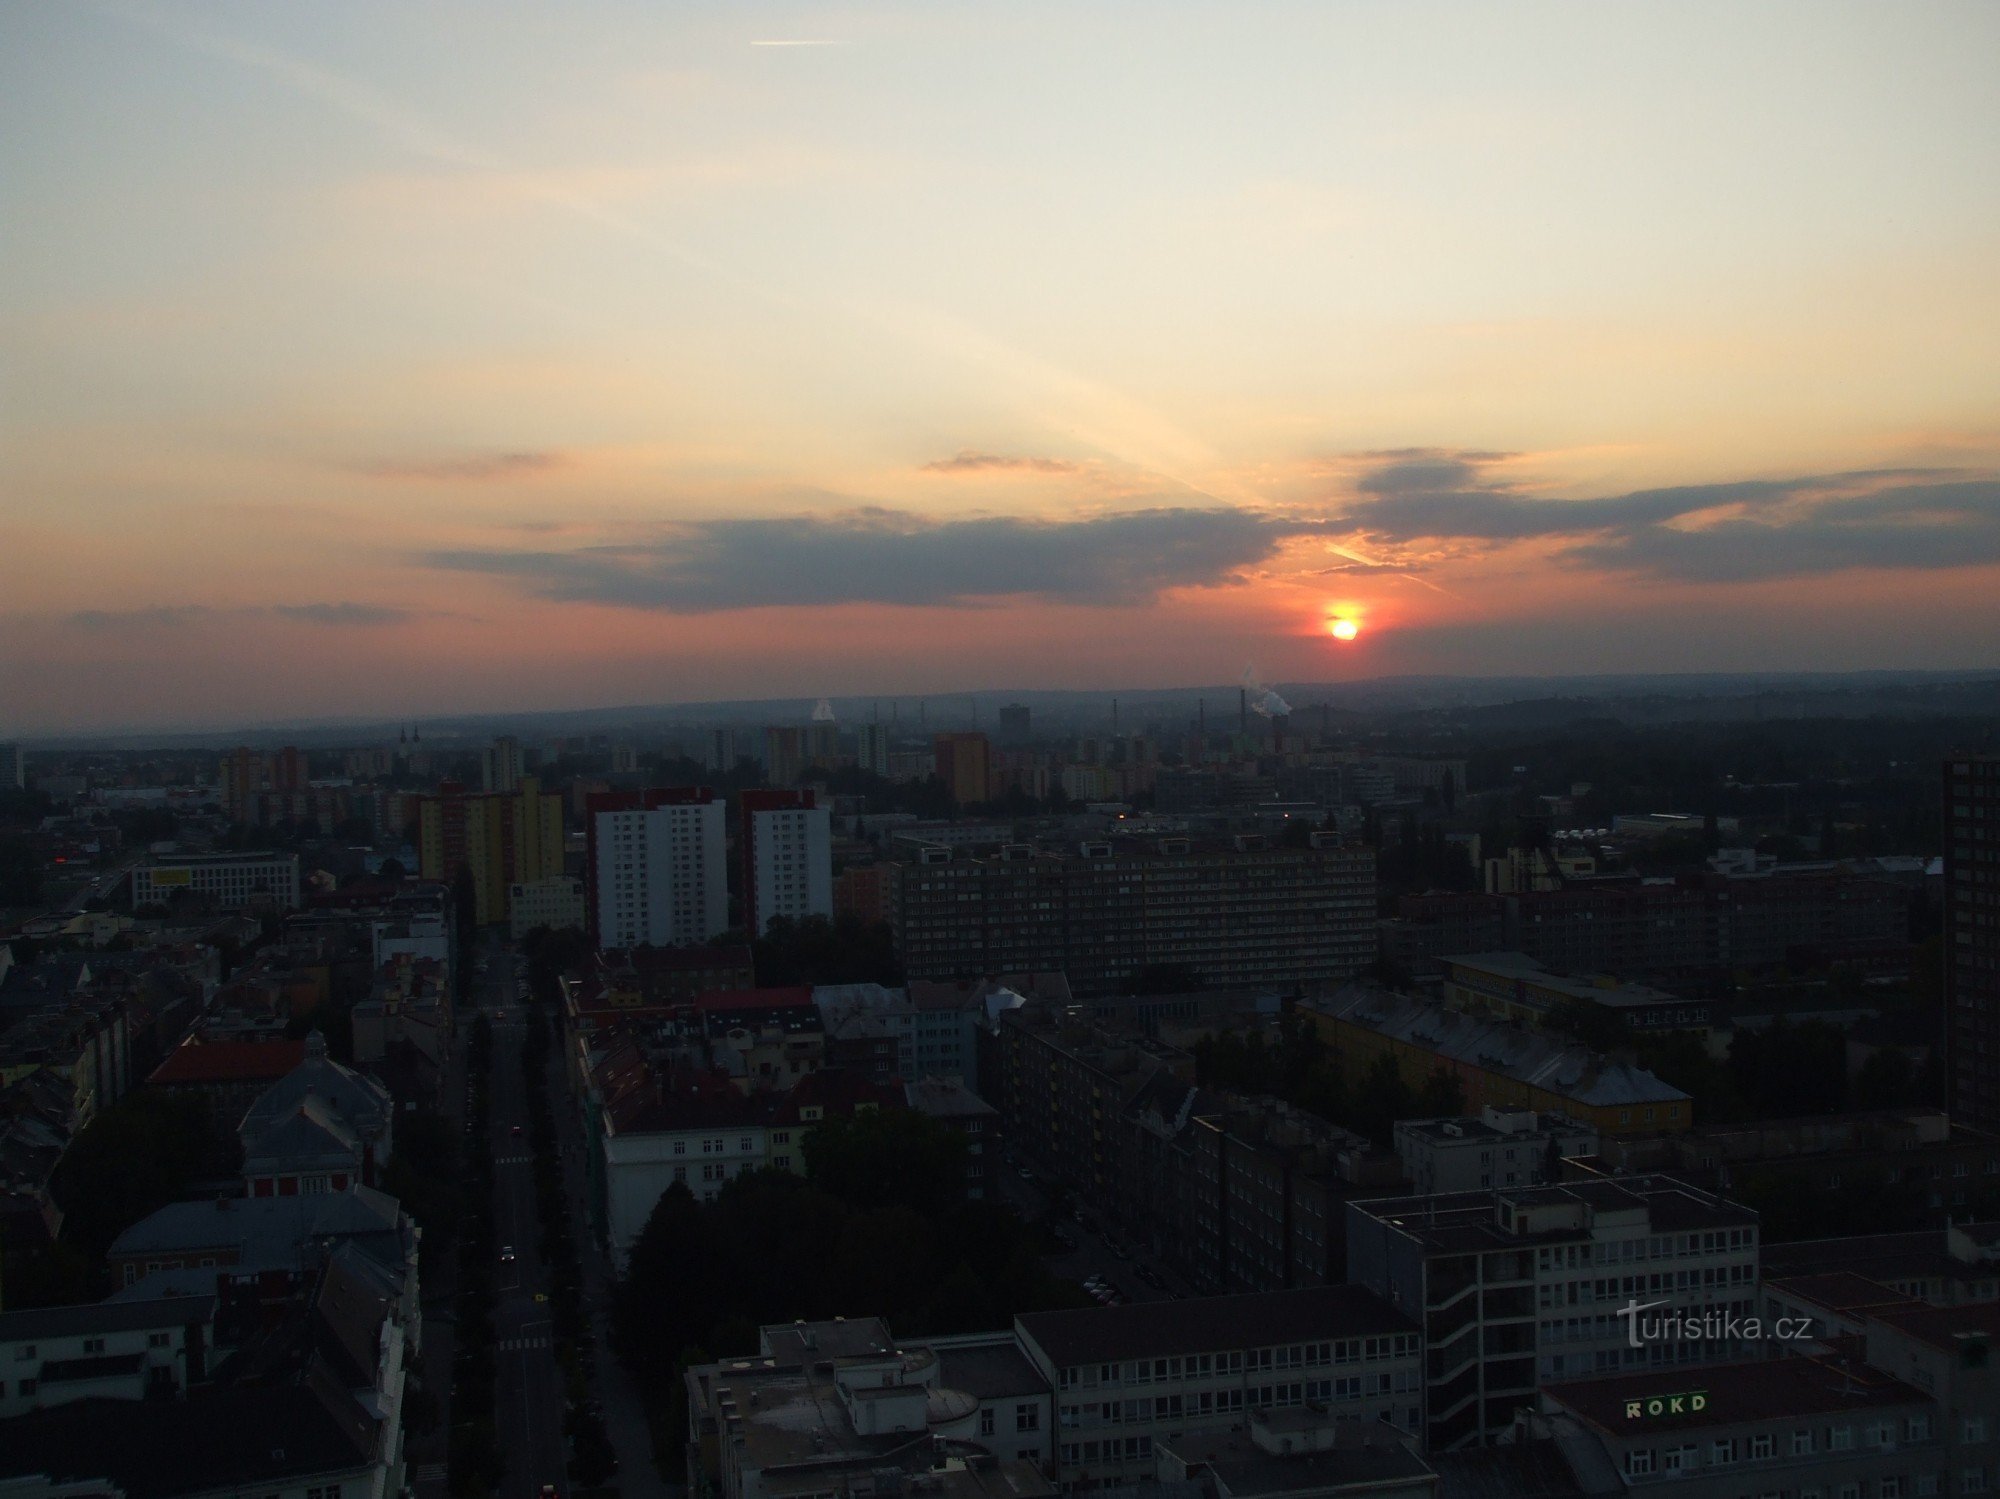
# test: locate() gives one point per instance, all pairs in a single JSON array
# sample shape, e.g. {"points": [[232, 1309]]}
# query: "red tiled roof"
{"points": [[230, 1062], [756, 999]]}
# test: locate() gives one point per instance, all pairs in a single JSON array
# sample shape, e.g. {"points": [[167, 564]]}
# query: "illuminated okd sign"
{"points": [[1688, 1403]]}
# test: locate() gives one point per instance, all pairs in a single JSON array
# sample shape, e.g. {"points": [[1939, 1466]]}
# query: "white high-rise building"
{"points": [[787, 857], [871, 747], [657, 866], [500, 765]]}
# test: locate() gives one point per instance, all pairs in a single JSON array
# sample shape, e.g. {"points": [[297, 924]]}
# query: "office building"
{"points": [[965, 765], [500, 839], [1517, 1288], [842, 1410], [1126, 1377], [1238, 913], [786, 842], [1496, 1148], [1972, 939], [226, 880], [655, 867]]}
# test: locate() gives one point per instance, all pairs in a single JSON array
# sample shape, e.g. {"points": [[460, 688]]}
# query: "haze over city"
{"points": [[379, 360]]}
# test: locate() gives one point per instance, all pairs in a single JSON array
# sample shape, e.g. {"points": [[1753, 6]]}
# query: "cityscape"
{"points": [[824, 752]]}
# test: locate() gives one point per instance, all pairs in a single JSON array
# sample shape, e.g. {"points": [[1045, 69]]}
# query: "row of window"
{"points": [[1206, 1365]]}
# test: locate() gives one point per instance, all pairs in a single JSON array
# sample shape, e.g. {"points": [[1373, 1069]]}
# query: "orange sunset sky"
{"points": [[410, 359]]}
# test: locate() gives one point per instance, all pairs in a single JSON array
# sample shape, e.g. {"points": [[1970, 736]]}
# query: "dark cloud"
{"points": [[1764, 528], [171, 616], [966, 461], [343, 614], [479, 467], [890, 557]]}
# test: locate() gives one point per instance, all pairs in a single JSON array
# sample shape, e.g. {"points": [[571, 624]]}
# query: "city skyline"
{"points": [[374, 363]]}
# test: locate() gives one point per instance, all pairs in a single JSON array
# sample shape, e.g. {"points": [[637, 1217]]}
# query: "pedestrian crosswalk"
{"points": [[508, 1345], [431, 1473]]}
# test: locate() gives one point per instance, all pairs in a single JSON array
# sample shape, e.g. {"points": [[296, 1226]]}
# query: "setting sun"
{"points": [[1343, 629]]}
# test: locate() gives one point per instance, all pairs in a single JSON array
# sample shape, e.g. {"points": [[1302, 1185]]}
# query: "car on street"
{"points": [[515, 1132], [506, 1254]]}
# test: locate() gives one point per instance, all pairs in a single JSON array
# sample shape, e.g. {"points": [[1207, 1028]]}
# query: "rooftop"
{"points": [[1766, 1390], [92, 1318], [1160, 1329], [1466, 1222]]}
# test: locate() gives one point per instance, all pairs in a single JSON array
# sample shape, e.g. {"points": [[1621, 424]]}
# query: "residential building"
{"points": [[841, 1410], [225, 881], [109, 1350], [1515, 986], [1956, 1265], [651, 985], [320, 1128], [314, 1406], [718, 749], [1495, 1148], [784, 756], [1496, 1062], [228, 1075], [951, 1103], [659, 1128], [1519, 1287], [786, 841], [1910, 1165], [500, 839], [869, 1030], [871, 748], [867, 892], [1128, 1377], [656, 867], [964, 764], [1237, 913], [554, 903], [500, 765], [1972, 938], [13, 767], [409, 1005]]}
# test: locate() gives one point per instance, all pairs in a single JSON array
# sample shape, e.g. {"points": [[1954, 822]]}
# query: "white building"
{"points": [[660, 876], [1500, 1148], [500, 765], [226, 879], [555, 903], [107, 1350], [871, 747], [1126, 1377], [1520, 1287], [789, 861]]}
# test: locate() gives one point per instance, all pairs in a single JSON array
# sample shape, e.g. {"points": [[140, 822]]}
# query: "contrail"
{"points": [[1106, 418]]}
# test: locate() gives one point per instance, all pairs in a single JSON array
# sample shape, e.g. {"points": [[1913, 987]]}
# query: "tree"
{"points": [[888, 1158], [1442, 1095], [1382, 1099], [1885, 1081]]}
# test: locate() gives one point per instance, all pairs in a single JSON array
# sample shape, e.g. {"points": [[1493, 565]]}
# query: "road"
{"points": [[1095, 1253], [529, 1387]]}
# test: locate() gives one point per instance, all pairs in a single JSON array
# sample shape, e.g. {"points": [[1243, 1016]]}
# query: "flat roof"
{"points": [[1207, 1324], [1839, 1291], [1246, 1469], [1765, 1390]]}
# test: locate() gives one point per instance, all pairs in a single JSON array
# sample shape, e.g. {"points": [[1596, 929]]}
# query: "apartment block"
{"points": [[655, 867], [1517, 1288], [1238, 913], [501, 839], [1972, 938], [786, 843]]}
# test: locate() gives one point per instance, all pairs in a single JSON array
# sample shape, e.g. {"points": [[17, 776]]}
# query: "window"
{"points": [[986, 1420], [1639, 1462], [1889, 1488], [1028, 1417], [25, 1352], [156, 1340], [1762, 1446], [1970, 1480], [1802, 1444], [93, 1345]]}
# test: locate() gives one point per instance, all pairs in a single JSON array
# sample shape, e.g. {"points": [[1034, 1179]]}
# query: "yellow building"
{"points": [[1498, 1062], [503, 838]]}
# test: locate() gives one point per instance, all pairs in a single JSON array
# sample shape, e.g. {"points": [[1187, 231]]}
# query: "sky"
{"points": [[407, 359]]}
